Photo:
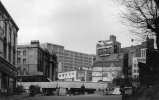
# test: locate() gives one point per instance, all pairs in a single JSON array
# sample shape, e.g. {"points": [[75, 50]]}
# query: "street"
{"points": [[86, 97]]}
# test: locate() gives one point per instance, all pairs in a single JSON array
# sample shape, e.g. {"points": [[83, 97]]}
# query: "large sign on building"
{"points": [[104, 48]]}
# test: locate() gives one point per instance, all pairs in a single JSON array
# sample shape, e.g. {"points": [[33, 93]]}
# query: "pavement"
{"points": [[14, 97], [78, 97]]}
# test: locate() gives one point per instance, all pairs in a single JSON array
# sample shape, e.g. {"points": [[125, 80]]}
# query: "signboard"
{"points": [[96, 73], [104, 48], [80, 74], [128, 90], [97, 69], [105, 74], [96, 79]]}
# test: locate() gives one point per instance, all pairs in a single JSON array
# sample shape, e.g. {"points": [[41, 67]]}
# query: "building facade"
{"points": [[32, 60], [8, 48], [135, 67], [106, 70], [76, 75], [69, 60], [109, 62], [106, 47]]}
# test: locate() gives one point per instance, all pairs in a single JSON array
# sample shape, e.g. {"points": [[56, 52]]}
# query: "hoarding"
{"points": [[97, 69], [96, 73], [96, 79]]}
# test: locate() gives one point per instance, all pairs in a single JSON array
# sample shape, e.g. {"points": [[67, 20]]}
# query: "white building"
{"points": [[135, 61]]}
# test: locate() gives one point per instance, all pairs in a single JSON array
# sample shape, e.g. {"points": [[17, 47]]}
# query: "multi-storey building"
{"points": [[137, 54], [106, 47], [69, 60], [33, 61], [8, 47], [109, 62]]}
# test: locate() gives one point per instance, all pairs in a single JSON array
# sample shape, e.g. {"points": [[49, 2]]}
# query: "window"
{"points": [[24, 53], [18, 61], [135, 76], [143, 53], [24, 61], [135, 65], [134, 70], [18, 52], [59, 75], [72, 73], [137, 70]]}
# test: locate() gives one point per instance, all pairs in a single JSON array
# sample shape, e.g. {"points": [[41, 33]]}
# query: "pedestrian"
{"points": [[83, 89]]}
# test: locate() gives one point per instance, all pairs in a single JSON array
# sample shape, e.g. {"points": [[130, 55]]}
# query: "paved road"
{"points": [[90, 97]]}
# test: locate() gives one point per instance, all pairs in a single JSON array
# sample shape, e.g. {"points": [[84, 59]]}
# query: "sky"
{"points": [[75, 24]]}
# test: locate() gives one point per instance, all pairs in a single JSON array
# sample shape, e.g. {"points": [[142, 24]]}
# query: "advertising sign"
{"points": [[80, 74], [97, 69], [96, 73]]}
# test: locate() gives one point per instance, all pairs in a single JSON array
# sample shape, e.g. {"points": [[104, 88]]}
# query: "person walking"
{"points": [[83, 89]]}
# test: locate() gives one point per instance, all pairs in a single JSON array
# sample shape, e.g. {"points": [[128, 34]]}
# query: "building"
{"points": [[106, 47], [136, 54], [69, 60], [76, 75], [109, 62], [34, 61], [8, 48], [106, 70], [135, 67]]}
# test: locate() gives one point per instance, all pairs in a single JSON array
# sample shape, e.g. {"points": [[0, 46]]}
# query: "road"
{"points": [[86, 97]]}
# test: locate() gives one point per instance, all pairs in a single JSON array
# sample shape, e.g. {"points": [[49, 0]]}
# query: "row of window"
{"points": [[136, 76], [136, 70], [19, 53], [19, 61]]}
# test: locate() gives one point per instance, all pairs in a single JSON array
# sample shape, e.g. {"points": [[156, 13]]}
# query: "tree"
{"points": [[143, 16]]}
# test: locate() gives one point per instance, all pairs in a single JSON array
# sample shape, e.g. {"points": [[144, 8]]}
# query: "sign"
{"points": [[96, 73], [97, 69], [128, 90]]}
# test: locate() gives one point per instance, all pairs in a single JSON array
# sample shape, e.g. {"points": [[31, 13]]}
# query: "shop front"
{"points": [[7, 77]]}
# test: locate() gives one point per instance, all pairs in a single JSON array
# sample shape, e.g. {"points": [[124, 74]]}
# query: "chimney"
{"points": [[112, 38], [35, 42]]}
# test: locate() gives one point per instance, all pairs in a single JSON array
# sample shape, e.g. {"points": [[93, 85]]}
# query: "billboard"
{"points": [[104, 48], [96, 73], [97, 69]]}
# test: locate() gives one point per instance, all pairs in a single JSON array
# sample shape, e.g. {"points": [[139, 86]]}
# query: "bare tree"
{"points": [[143, 16]]}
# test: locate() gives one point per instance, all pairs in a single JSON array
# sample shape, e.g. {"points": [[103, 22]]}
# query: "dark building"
{"points": [[32, 61], [8, 47]]}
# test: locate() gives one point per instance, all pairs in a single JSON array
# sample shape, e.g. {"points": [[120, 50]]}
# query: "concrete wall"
{"points": [[92, 85]]}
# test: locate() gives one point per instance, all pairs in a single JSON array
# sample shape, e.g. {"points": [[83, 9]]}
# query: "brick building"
{"points": [[8, 47], [32, 61]]}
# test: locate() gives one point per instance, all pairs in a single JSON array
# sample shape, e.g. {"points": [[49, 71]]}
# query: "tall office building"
{"points": [[69, 60]]}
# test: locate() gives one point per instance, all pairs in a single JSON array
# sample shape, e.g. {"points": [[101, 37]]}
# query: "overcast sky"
{"points": [[75, 24]]}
